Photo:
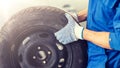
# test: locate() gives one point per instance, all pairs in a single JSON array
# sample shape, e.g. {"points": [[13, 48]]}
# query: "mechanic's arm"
{"points": [[72, 32], [82, 15], [99, 38], [109, 40]]}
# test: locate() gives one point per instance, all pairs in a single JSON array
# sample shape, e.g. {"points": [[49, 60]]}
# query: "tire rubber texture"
{"points": [[27, 22]]}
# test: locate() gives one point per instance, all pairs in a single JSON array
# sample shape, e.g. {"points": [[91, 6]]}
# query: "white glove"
{"points": [[75, 16], [71, 32]]}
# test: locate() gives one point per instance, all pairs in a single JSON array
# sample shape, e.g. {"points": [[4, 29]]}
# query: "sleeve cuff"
{"points": [[114, 41]]}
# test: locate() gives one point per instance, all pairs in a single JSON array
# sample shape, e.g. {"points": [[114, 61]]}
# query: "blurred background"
{"points": [[10, 7]]}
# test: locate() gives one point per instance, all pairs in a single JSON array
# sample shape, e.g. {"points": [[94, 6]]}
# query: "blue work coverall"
{"points": [[104, 15]]}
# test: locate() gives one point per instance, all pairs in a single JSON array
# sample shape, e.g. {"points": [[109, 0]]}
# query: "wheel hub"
{"points": [[37, 50]]}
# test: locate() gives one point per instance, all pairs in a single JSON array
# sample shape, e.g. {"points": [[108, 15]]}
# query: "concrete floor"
{"points": [[10, 7]]}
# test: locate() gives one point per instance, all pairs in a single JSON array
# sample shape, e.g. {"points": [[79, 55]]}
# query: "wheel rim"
{"points": [[42, 50]]}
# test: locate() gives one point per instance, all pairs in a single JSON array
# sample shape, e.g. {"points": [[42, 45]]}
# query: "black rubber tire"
{"points": [[29, 21]]}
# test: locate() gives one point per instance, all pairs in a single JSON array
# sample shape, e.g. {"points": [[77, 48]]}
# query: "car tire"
{"points": [[27, 41]]}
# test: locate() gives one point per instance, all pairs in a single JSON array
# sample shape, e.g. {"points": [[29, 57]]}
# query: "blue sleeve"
{"points": [[114, 38]]}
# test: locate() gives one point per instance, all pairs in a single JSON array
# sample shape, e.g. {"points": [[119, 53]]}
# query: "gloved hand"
{"points": [[75, 16], [71, 32]]}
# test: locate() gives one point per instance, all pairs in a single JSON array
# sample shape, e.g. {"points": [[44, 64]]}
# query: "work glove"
{"points": [[75, 16], [71, 32]]}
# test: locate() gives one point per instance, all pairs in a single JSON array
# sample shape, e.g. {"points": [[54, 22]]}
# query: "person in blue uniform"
{"points": [[102, 33]]}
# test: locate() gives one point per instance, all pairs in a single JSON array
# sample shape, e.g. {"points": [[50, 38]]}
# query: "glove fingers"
{"points": [[58, 36], [61, 38], [67, 40], [69, 17]]}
